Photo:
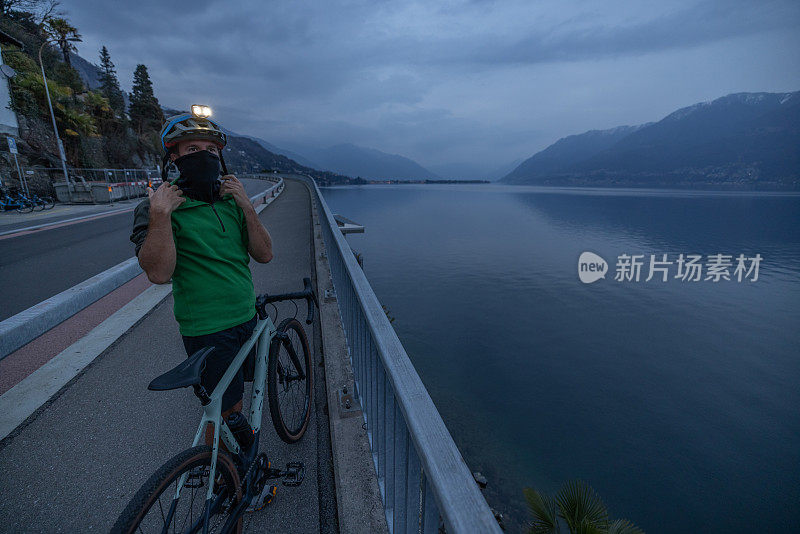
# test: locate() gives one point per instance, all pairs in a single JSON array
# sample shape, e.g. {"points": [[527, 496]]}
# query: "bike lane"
{"points": [[73, 466]]}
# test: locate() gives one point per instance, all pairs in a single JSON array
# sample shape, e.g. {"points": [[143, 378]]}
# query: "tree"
{"points": [[578, 506], [109, 84], [65, 34], [145, 111], [7, 6]]}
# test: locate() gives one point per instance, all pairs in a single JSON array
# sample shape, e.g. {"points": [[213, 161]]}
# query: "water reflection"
{"points": [[664, 396]]}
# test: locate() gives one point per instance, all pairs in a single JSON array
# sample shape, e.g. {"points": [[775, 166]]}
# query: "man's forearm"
{"points": [[259, 240], [157, 255]]}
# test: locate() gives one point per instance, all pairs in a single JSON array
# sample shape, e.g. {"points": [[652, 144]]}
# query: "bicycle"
{"points": [[24, 204], [240, 475], [46, 203]]}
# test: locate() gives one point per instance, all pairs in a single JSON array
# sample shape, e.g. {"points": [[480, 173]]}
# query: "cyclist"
{"points": [[201, 231]]}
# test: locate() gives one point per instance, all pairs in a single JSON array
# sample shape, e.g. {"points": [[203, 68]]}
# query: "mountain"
{"points": [[562, 154], [472, 171], [354, 160], [276, 150], [743, 140], [89, 73], [244, 153], [288, 153]]}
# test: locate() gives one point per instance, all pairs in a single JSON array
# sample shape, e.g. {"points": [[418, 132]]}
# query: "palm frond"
{"points": [[543, 509], [578, 503], [587, 527], [623, 526]]}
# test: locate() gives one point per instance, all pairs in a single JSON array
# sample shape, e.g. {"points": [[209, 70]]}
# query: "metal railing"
{"points": [[421, 474]]}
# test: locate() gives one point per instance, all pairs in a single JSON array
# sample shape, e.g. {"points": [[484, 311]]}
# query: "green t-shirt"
{"points": [[212, 285]]}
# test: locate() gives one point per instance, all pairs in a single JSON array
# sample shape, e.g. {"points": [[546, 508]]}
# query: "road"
{"points": [[73, 466], [36, 266]]}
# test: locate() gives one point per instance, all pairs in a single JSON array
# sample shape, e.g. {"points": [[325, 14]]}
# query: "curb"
{"points": [[22, 401], [29, 324], [358, 498]]}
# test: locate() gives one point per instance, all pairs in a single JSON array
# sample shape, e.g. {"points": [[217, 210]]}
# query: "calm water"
{"points": [[678, 402]]}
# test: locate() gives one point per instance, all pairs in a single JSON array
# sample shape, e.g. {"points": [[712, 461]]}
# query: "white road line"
{"points": [[62, 221]]}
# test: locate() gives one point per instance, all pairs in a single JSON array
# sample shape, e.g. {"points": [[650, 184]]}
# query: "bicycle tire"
{"points": [[164, 482], [289, 426], [26, 207], [38, 205], [49, 203]]}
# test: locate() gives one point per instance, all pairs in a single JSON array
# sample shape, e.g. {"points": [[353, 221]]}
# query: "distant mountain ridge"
{"points": [[244, 153], [742, 140], [368, 163]]}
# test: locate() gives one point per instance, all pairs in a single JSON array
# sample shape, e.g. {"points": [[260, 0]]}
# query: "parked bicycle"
{"points": [[23, 204], [167, 501]]}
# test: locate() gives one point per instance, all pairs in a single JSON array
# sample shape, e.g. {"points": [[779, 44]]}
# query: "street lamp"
{"points": [[55, 128]]}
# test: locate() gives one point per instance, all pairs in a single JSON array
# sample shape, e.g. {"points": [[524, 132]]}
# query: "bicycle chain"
{"points": [[255, 462]]}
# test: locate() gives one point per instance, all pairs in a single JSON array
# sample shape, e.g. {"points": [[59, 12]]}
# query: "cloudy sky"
{"points": [[478, 83]]}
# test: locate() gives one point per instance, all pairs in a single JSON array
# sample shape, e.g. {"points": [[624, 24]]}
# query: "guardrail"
{"points": [[22, 328], [421, 473]]}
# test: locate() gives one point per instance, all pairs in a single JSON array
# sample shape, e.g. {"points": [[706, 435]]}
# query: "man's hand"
{"points": [[231, 185], [165, 199]]}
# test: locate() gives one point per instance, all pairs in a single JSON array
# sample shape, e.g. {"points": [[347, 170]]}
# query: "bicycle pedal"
{"points": [[293, 476], [264, 498]]}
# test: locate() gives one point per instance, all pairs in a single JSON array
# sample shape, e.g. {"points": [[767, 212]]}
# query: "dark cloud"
{"points": [[449, 81]]}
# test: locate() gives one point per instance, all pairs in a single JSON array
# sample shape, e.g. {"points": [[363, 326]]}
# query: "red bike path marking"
{"points": [[22, 362]]}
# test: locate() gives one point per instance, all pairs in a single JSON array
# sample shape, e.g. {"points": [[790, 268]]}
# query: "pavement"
{"points": [[73, 465], [35, 265]]}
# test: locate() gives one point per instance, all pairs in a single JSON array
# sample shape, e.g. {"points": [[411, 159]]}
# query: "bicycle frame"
{"points": [[263, 333]]}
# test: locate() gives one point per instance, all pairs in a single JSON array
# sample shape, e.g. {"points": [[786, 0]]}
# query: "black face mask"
{"points": [[199, 175]]}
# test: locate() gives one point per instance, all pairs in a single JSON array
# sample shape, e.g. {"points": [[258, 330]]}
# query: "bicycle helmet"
{"points": [[187, 126]]}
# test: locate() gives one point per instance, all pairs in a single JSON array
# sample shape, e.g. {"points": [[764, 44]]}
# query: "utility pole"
{"points": [[55, 128]]}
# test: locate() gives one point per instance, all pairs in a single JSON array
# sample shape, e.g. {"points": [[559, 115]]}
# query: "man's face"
{"points": [[193, 145]]}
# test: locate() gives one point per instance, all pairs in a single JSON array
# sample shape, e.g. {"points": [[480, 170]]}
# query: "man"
{"points": [[202, 234]]}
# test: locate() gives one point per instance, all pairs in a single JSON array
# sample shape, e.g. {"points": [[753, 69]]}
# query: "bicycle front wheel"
{"points": [[25, 207], [48, 203], [154, 508], [291, 381]]}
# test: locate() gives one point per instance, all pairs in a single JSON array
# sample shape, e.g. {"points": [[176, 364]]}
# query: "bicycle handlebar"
{"points": [[307, 294]]}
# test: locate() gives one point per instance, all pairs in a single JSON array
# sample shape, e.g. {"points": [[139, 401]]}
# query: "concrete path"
{"points": [[74, 465]]}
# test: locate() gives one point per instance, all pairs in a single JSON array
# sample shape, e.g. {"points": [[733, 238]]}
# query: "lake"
{"points": [[678, 401]]}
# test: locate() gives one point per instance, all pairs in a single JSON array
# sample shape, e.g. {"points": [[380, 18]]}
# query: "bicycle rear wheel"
{"points": [[48, 203], [155, 509], [291, 381]]}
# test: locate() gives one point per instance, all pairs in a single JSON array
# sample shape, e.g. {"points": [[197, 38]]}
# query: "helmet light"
{"points": [[201, 112]]}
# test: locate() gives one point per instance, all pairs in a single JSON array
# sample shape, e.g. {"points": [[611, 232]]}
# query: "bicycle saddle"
{"points": [[185, 374]]}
